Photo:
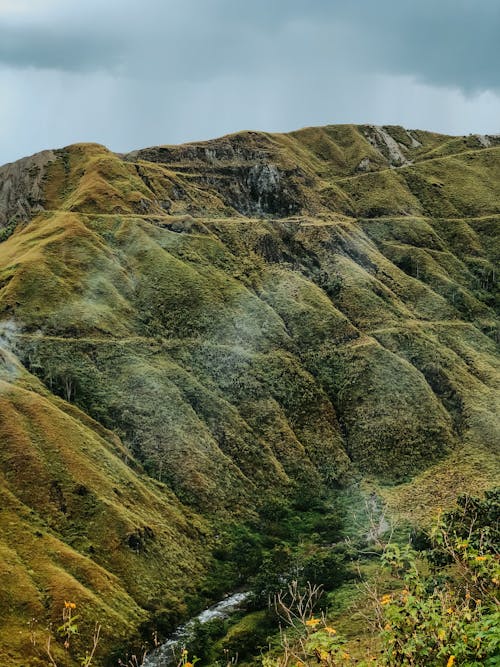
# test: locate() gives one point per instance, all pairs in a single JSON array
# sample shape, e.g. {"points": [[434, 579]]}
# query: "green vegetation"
{"points": [[6, 231], [450, 609], [200, 345], [441, 605]]}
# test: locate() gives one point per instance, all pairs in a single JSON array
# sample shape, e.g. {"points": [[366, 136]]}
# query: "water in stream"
{"points": [[168, 653]]}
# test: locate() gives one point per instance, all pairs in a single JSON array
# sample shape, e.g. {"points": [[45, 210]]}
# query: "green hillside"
{"points": [[188, 333]]}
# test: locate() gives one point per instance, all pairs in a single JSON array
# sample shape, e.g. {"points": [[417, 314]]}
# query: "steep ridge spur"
{"points": [[229, 321]]}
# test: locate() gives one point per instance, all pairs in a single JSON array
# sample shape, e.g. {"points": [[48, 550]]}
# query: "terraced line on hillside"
{"points": [[417, 162]]}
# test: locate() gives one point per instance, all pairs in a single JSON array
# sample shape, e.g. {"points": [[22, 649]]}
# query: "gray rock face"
{"points": [[392, 150], [262, 189], [364, 165], [217, 152], [484, 140], [21, 187], [246, 178]]}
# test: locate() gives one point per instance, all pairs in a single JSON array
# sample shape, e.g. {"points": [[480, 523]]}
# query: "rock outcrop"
{"points": [[22, 187]]}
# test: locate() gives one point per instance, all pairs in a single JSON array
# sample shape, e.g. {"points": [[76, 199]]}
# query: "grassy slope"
{"points": [[78, 523], [252, 316]]}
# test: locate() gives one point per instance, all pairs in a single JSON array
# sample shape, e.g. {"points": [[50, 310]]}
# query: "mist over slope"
{"points": [[191, 331]]}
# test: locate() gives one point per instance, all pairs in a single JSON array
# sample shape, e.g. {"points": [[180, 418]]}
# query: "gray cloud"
{"points": [[449, 42], [444, 42], [132, 72]]}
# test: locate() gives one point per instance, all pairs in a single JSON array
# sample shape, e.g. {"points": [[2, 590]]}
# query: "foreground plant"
{"points": [[443, 609], [306, 637], [67, 631], [447, 611]]}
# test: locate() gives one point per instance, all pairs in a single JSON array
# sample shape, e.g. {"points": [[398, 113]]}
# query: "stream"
{"points": [[167, 654]]}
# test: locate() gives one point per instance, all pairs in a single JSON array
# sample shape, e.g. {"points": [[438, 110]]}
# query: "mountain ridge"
{"points": [[379, 146], [229, 322]]}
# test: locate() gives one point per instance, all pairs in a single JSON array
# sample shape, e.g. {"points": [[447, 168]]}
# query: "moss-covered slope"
{"points": [[78, 523], [210, 325]]}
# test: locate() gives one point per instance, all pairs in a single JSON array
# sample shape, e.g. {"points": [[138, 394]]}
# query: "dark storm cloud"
{"points": [[441, 42], [49, 48]]}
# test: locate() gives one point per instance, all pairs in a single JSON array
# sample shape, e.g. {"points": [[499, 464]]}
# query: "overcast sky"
{"points": [[133, 73]]}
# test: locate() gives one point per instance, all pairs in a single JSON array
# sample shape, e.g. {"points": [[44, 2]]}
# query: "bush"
{"points": [[448, 611]]}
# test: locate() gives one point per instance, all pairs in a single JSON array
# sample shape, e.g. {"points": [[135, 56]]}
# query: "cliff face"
{"points": [[21, 188], [189, 331]]}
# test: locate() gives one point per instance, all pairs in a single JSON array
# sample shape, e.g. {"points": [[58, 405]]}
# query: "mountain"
{"points": [[189, 333]]}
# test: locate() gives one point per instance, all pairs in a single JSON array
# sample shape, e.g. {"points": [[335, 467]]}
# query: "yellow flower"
{"points": [[387, 626], [188, 664], [441, 635], [331, 631], [449, 610], [480, 558], [385, 599], [451, 661], [69, 605], [312, 622], [323, 655], [345, 656]]}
